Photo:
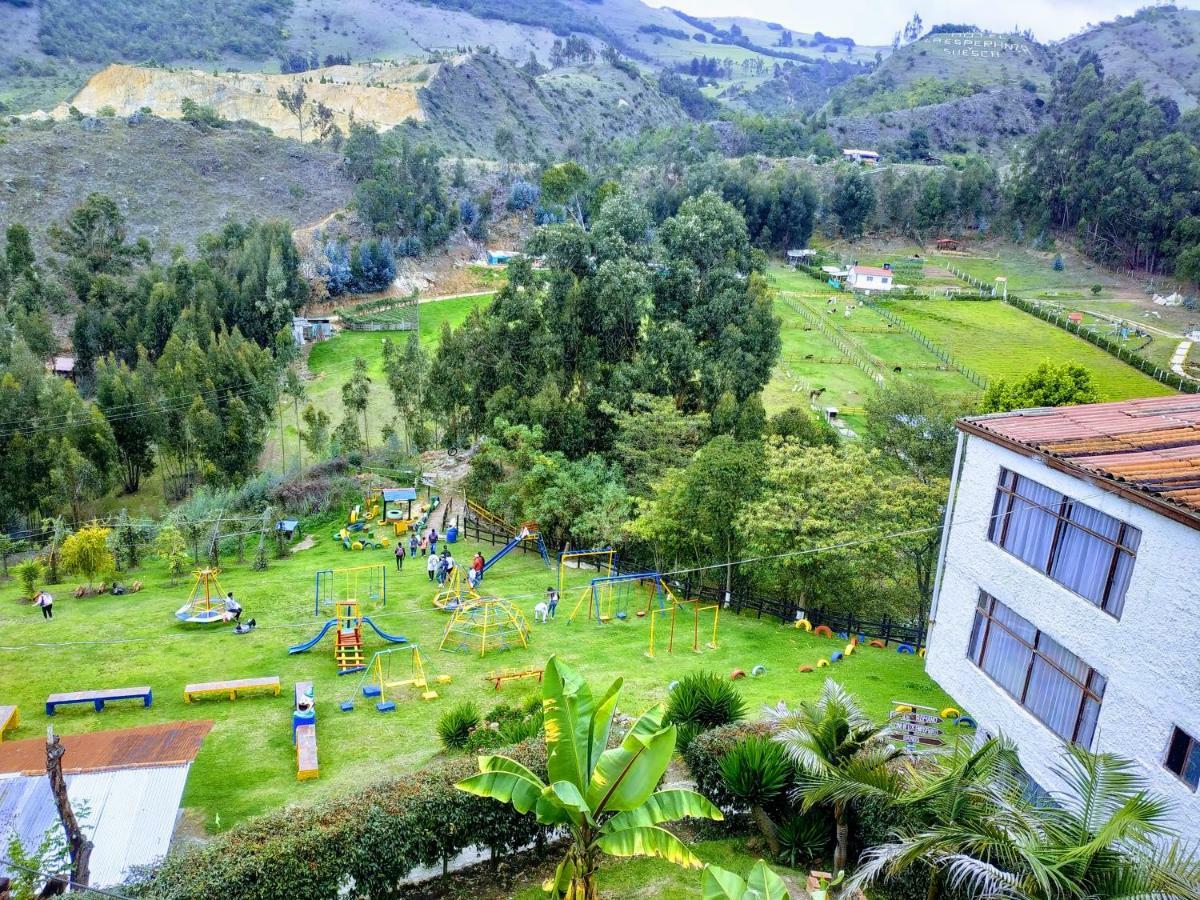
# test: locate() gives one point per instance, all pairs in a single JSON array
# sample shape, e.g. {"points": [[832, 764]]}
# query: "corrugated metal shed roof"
{"points": [[1151, 447], [128, 813], [392, 495]]}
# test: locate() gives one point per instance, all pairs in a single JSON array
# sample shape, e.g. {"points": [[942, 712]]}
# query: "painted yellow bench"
{"points": [[231, 689], [10, 719]]}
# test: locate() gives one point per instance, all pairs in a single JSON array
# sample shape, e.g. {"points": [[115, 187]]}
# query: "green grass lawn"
{"points": [[247, 763], [1000, 341]]}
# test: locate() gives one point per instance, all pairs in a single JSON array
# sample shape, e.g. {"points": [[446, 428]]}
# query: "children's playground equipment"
{"points": [[347, 646], [304, 732], [400, 513], [206, 603], [489, 623], [389, 670], [604, 559], [697, 610], [529, 532], [355, 583], [456, 592], [616, 596]]}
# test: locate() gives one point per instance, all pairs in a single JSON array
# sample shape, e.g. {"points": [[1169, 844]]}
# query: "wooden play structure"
{"points": [[206, 603], [10, 720], [358, 583], [490, 623], [391, 670], [347, 645], [99, 698], [232, 688], [498, 678], [304, 732]]}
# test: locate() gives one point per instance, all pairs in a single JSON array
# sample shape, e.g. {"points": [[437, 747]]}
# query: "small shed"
{"points": [[948, 243], [501, 257], [63, 367], [287, 528], [1075, 317], [854, 154], [796, 257], [305, 331]]}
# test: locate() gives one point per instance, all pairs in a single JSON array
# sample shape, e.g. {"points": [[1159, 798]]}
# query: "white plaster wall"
{"points": [[1151, 657]]}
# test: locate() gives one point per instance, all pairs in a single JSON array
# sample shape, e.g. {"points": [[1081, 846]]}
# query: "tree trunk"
{"points": [[80, 847], [842, 850], [282, 445], [935, 884], [767, 827], [299, 437]]}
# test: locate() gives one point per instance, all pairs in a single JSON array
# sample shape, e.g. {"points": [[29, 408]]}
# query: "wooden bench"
{"points": [[10, 718], [99, 698], [231, 689], [498, 678]]}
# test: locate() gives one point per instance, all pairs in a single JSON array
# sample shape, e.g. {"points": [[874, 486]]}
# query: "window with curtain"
{"points": [[1083, 549], [1054, 684]]}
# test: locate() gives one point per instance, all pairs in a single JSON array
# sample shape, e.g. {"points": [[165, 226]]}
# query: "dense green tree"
{"points": [[356, 396], [1066, 384], [94, 235], [912, 425], [127, 398], [564, 185], [853, 202], [652, 437]]}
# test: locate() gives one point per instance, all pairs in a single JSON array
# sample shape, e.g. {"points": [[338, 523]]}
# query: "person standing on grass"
{"points": [[412, 545], [424, 544], [431, 567], [433, 539], [477, 567], [551, 600], [45, 600], [399, 557]]}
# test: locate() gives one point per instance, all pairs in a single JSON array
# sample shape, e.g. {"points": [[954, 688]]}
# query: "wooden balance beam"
{"points": [[231, 689], [99, 698]]}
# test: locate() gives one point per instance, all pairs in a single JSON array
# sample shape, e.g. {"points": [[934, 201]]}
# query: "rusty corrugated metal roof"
{"points": [[1150, 446]]}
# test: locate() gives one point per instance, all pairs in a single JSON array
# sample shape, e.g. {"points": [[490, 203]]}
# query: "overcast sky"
{"points": [[875, 21]]}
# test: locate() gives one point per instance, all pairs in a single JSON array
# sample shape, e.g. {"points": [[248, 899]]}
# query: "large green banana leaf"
{"points": [[666, 806], [648, 841]]}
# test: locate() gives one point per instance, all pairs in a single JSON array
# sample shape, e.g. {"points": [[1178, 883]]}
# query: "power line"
{"points": [[74, 885]]}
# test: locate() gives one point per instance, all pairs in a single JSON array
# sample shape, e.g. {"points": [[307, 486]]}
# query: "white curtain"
{"points": [[1056, 691], [1008, 651], [1031, 523]]}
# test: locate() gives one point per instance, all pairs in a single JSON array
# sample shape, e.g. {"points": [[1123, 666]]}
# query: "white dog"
{"points": [[540, 612]]}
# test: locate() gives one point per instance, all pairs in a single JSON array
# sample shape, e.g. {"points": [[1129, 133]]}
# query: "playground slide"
{"points": [[394, 638], [308, 645], [511, 545]]}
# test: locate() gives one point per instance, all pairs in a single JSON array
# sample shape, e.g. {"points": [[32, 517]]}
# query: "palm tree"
{"points": [[841, 755], [1102, 837], [605, 797]]}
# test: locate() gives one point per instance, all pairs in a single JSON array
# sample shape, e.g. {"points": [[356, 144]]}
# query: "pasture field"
{"points": [[247, 763]]}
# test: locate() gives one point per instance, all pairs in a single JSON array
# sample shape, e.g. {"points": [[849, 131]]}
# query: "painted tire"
{"points": [[965, 722], [758, 671], [823, 630], [849, 648], [876, 643], [736, 674], [836, 656], [672, 685], [822, 663], [843, 636], [904, 709], [921, 653], [950, 713], [906, 648], [805, 669], [803, 623]]}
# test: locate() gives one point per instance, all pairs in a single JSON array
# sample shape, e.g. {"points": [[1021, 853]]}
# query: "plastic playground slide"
{"points": [[308, 645], [511, 545], [393, 638]]}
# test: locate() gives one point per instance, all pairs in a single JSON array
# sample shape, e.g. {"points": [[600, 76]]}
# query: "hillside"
{"points": [[1157, 46], [173, 182], [383, 95], [468, 101]]}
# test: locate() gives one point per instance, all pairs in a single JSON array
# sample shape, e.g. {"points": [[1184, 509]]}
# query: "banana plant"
{"points": [[604, 797], [761, 884]]}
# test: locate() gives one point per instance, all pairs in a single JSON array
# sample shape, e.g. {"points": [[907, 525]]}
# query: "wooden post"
{"points": [[79, 847]]}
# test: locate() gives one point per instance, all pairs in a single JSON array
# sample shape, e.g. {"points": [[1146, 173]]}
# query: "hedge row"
{"points": [[364, 842]]}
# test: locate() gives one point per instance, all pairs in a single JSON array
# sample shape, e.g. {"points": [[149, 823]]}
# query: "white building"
{"points": [[853, 154], [869, 279], [1067, 605]]}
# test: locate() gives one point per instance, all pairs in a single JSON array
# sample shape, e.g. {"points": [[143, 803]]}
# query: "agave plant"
{"points": [[605, 797], [761, 884]]}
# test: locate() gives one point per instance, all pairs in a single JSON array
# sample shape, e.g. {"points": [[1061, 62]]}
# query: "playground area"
{"points": [[249, 685]]}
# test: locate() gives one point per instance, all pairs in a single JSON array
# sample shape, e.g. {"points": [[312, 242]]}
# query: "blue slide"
{"points": [[393, 638], [308, 645], [511, 545]]}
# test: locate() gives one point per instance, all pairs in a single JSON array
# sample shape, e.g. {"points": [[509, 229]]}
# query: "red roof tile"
{"points": [[1151, 447], [871, 270]]}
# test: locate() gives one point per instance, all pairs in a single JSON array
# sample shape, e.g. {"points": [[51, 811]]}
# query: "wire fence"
{"points": [[940, 352]]}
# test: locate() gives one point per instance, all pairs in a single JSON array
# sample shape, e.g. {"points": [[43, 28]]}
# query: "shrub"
{"points": [[757, 772], [523, 195], [805, 837], [374, 836], [28, 574], [1096, 289], [703, 757], [705, 700], [455, 726]]}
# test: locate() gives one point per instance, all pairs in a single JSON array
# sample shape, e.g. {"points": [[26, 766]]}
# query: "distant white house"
{"points": [[807, 255], [869, 279], [1065, 609], [855, 155]]}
